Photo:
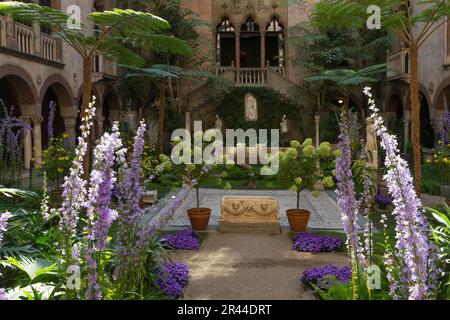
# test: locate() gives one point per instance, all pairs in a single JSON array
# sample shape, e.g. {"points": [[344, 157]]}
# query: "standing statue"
{"points": [[284, 131], [219, 123], [371, 144], [251, 108], [284, 124]]}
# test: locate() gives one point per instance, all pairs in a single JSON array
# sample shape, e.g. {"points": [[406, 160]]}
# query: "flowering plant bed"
{"points": [[172, 278], [324, 276], [309, 242], [186, 239]]}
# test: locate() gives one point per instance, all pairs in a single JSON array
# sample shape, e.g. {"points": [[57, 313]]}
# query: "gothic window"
{"points": [[250, 26], [225, 43]]}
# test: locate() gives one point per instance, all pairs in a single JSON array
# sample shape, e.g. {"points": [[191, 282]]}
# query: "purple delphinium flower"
{"points": [[132, 235], [12, 133], [4, 217], [444, 134], [346, 189], [3, 295], [308, 242], [74, 188], [172, 278], [412, 247], [186, 239], [319, 276], [51, 119], [99, 214]]}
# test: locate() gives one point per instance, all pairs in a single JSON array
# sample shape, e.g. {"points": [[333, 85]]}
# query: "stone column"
{"points": [[188, 121], [70, 124], [238, 51], [317, 122], [37, 120], [37, 48], [406, 130], [27, 145], [263, 50]]}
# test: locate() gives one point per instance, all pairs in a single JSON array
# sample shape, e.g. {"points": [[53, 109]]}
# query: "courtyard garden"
{"points": [[332, 207]]}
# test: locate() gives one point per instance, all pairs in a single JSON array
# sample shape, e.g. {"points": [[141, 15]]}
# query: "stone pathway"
{"points": [[325, 213], [250, 267]]}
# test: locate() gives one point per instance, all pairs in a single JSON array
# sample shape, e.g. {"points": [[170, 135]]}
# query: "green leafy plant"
{"points": [[441, 238], [57, 159]]}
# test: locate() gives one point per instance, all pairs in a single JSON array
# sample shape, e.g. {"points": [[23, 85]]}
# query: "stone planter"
{"points": [[199, 218], [149, 198], [298, 219], [445, 191]]}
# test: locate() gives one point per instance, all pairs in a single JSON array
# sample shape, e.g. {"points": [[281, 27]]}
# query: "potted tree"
{"points": [[302, 166], [192, 175]]}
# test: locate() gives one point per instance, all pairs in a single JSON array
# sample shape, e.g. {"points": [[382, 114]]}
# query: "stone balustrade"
{"points": [[104, 66], [398, 64], [29, 40]]}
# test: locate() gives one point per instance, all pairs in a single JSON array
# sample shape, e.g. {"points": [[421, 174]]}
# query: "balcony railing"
{"points": [[250, 76], [398, 64], [29, 40], [104, 67]]}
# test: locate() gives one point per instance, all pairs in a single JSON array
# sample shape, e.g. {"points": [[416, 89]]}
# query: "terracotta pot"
{"points": [[199, 218], [298, 219]]}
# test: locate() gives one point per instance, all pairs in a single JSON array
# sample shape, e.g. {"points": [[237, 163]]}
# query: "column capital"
{"points": [[37, 120]]}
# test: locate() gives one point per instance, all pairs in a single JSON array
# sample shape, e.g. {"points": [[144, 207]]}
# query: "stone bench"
{"points": [[249, 214]]}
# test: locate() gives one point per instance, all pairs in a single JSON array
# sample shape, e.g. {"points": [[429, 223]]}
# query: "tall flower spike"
{"points": [[100, 215], [412, 247], [347, 199], [74, 187]]}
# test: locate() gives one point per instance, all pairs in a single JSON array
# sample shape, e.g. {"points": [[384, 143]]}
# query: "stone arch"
{"points": [[422, 90], [62, 89], [110, 107], [441, 90], [392, 99], [23, 88]]}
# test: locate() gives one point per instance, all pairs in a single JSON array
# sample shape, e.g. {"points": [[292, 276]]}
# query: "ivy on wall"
{"points": [[272, 105]]}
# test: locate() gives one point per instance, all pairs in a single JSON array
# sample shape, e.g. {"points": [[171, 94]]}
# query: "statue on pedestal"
{"points": [[371, 144], [251, 108]]}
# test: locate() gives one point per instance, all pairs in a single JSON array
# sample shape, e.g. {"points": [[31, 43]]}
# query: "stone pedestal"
{"points": [[246, 214], [70, 125]]}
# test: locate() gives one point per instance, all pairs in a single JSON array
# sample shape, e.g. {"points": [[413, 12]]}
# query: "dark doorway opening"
{"points": [[426, 130], [58, 123], [250, 50]]}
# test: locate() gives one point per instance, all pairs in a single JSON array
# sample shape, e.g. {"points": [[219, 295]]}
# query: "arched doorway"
{"points": [[250, 44], [426, 129], [275, 43], [51, 112], [396, 124], [225, 43]]}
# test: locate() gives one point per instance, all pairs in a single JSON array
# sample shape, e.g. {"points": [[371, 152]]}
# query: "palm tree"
{"points": [[412, 26], [345, 79], [163, 76], [117, 31]]}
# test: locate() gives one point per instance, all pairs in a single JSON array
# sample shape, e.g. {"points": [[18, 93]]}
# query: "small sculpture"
{"points": [[219, 123], [371, 143], [251, 108], [284, 124]]}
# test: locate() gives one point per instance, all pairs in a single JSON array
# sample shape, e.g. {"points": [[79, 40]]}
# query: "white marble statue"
{"points": [[371, 143], [284, 124], [251, 108], [219, 123]]}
